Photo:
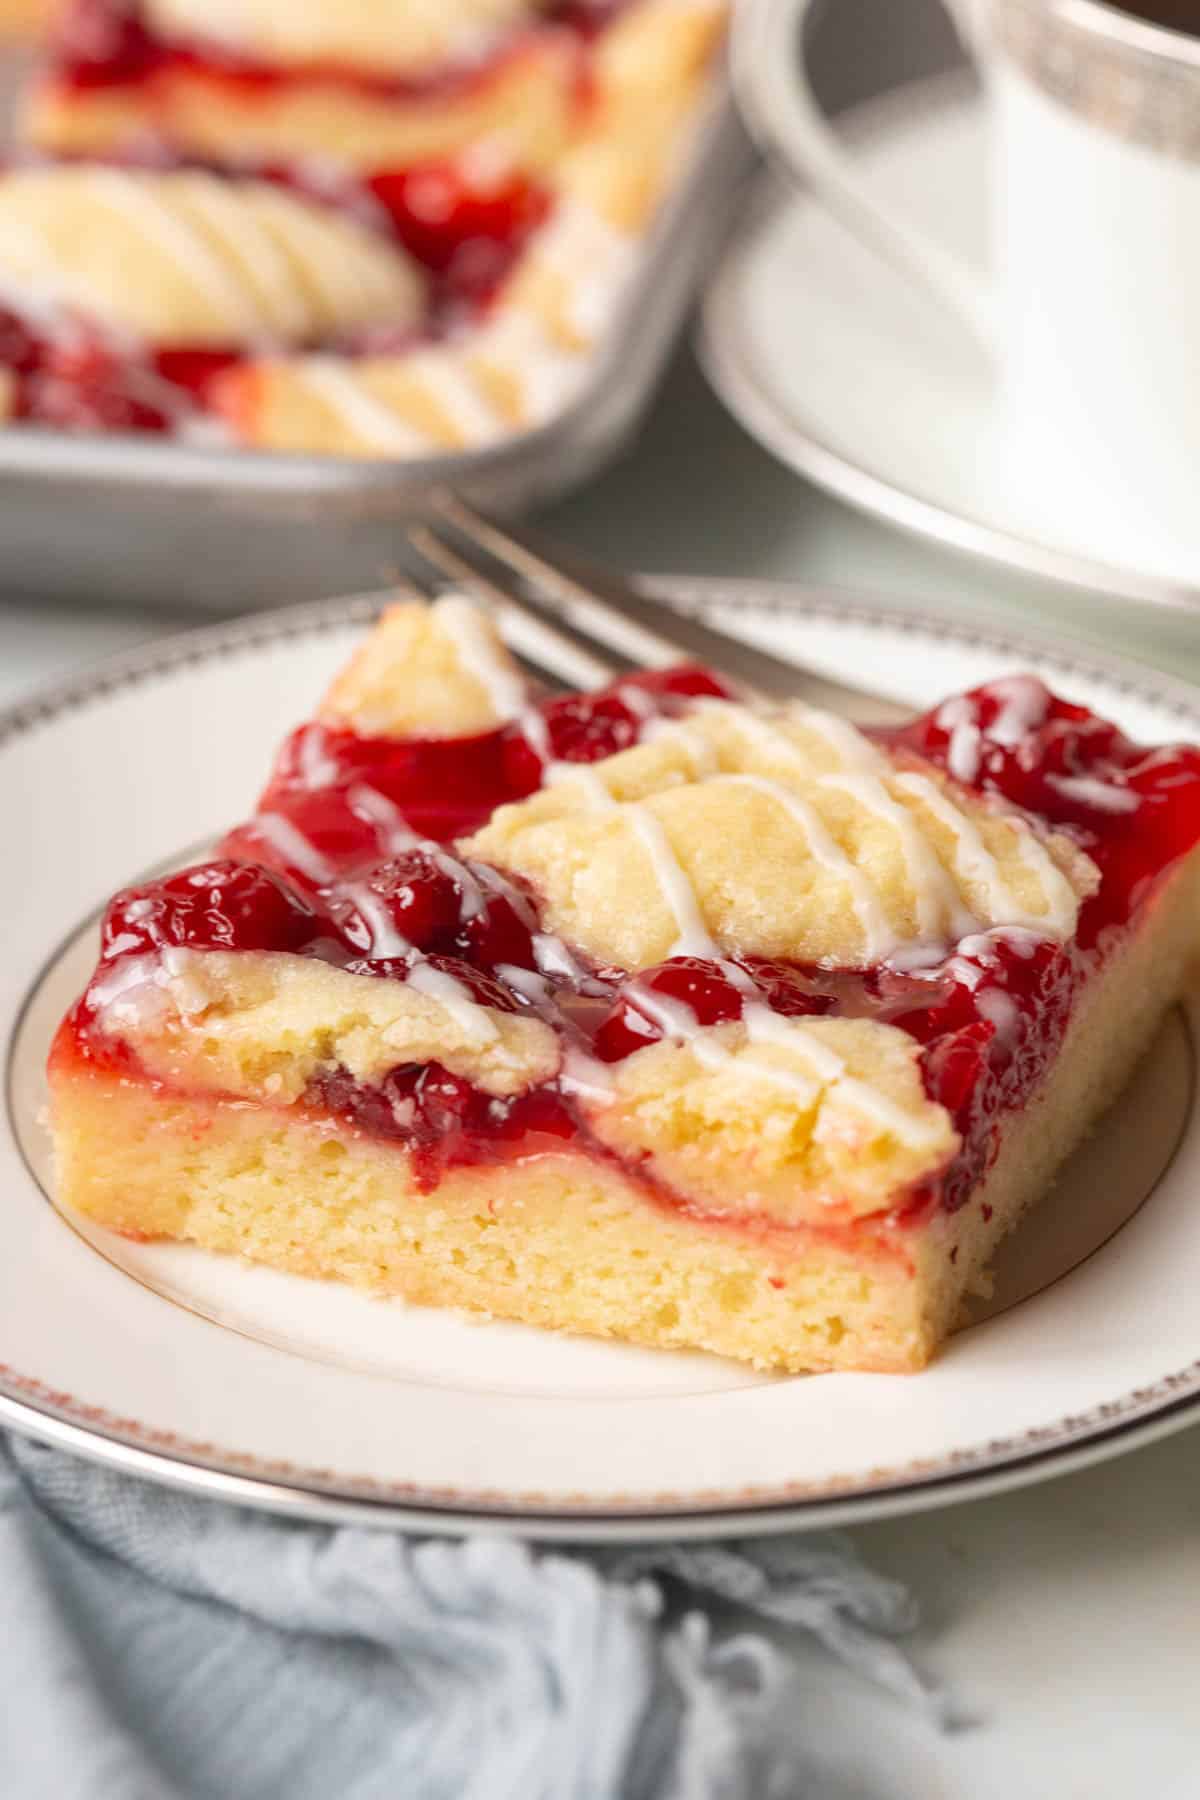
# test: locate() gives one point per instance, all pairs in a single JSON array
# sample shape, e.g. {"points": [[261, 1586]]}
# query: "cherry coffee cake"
{"points": [[645, 1012], [374, 227]]}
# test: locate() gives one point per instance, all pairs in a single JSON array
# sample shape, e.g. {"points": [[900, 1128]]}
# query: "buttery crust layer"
{"points": [[794, 835]]}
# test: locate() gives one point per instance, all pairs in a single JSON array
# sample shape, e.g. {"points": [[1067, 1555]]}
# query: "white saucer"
{"points": [[866, 387]]}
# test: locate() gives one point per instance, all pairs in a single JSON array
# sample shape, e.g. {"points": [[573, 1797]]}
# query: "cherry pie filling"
{"points": [[352, 829], [465, 222]]}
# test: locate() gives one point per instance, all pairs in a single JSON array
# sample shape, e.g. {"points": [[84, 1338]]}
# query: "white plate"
{"points": [[307, 1397], [862, 384]]}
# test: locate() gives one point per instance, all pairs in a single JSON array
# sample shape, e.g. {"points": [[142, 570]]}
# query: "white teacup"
{"points": [[1093, 315]]}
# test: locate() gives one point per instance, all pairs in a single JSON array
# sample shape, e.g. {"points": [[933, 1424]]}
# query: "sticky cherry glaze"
{"points": [[988, 1014]]}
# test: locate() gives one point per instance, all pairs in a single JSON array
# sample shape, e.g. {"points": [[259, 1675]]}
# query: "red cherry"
{"points": [[479, 984], [194, 370], [585, 727], [444, 1101], [498, 934], [103, 37], [21, 349], [699, 987], [417, 894], [85, 386], [215, 906], [689, 681], [440, 210], [954, 1065], [790, 989]]}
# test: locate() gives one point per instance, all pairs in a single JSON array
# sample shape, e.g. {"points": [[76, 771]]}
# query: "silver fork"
{"points": [[597, 627]]}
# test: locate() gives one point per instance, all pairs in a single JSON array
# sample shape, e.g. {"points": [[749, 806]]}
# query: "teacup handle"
{"points": [[781, 110]]}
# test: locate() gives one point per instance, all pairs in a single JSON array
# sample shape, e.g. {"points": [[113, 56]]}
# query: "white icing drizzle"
{"points": [[518, 342], [637, 700], [863, 765], [972, 858], [1025, 703], [40, 289], [1023, 940], [693, 938], [317, 767], [673, 883], [1062, 907], [1001, 1010], [964, 752], [586, 778], [592, 259], [1104, 796], [765, 1027], [936, 893], [472, 1019], [498, 883], [335, 383], [531, 986], [128, 989], [580, 1073], [284, 837], [701, 753], [457, 395], [536, 732], [396, 834], [185, 245], [388, 942], [585, 1076], [268, 265], [860, 776], [761, 1023], [463, 622], [554, 956], [461, 873], [385, 940], [911, 958], [973, 955], [854, 750], [879, 935], [353, 277], [940, 907]]}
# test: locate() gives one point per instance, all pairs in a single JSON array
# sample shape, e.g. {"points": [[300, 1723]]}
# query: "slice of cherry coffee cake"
{"points": [[643, 1012]]}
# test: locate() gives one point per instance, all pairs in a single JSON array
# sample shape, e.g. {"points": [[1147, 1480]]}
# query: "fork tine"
{"points": [[569, 657], [584, 608]]}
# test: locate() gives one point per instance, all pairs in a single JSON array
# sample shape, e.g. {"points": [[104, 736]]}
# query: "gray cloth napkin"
{"points": [[160, 1647]]}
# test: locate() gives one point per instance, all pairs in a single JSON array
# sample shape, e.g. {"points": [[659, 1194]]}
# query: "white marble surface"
{"points": [[1064, 1615]]}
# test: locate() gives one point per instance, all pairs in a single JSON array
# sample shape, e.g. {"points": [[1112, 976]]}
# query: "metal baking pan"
{"points": [[99, 518]]}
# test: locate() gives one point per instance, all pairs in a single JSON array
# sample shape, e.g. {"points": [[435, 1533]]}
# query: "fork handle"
{"points": [[684, 636]]}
